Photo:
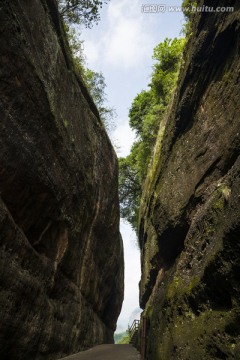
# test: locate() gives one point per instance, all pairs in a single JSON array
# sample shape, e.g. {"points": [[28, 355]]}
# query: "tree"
{"points": [[187, 6], [129, 189], [96, 85], [145, 115], [140, 107], [76, 46], [84, 12], [165, 71]]}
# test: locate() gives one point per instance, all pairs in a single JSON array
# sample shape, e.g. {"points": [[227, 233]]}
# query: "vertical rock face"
{"points": [[190, 217], [61, 255]]}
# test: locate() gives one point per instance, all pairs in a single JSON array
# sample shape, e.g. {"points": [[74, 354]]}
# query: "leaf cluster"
{"points": [[84, 12]]}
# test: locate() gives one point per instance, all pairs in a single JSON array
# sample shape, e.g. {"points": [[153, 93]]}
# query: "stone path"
{"points": [[107, 352]]}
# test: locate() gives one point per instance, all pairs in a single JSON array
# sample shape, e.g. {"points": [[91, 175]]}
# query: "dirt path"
{"points": [[107, 352]]}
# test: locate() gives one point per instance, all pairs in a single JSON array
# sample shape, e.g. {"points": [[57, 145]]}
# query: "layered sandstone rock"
{"points": [[190, 217], [61, 262]]}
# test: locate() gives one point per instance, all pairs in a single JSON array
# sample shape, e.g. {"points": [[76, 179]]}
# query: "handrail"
{"points": [[134, 327], [133, 332]]}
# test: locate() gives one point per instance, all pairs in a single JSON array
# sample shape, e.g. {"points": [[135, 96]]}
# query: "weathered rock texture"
{"points": [[61, 256], [190, 216]]}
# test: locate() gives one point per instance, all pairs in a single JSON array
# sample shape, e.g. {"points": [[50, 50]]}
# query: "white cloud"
{"points": [[123, 138], [125, 42], [126, 46]]}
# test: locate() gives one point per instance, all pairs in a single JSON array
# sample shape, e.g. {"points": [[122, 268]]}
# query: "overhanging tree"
{"points": [[84, 12]]}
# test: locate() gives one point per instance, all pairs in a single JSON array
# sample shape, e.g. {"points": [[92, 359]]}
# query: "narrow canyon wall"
{"points": [[61, 254], [190, 209]]}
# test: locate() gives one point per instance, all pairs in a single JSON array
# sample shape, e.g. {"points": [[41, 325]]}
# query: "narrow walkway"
{"points": [[107, 352]]}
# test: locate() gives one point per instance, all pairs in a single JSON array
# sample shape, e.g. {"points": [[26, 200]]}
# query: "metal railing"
{"points": [[133, 331], [134, 338]]}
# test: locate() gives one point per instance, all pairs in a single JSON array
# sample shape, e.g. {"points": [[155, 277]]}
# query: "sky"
{"points": [[121, 47]]}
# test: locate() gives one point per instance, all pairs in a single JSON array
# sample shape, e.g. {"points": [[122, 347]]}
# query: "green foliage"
{"points": [[96, 85], [165, 70], [140, 108], [122, 338], [76, 46], [84, 12], [187, 6], [129, 189], [145, 115]]}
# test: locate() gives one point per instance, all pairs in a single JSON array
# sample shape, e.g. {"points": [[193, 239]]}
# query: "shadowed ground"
{"points": [[107, 352]]}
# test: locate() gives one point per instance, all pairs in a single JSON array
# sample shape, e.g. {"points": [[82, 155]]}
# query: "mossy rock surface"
{"points": [[189, 217]]}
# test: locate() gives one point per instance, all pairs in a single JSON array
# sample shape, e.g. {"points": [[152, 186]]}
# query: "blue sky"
{"points": [[121, 47]]}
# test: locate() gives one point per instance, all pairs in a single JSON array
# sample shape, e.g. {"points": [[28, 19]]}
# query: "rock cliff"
{"points": [[61, 254], [189, 216]]}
